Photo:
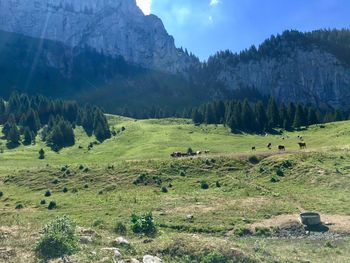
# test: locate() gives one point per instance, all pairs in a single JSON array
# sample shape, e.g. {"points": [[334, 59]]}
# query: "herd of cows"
{"points": [[302, 145]]}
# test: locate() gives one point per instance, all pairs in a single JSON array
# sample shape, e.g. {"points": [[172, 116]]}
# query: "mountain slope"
{"points": [[50, 68], [312, 68], [114, 27]]}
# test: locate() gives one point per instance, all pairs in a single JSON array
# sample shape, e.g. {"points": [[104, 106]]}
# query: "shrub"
{"points": [[287, 164], [19, 206], [182, 173], [43, 202], [215, 257], [65, 190], [52, 205], [218, 185], [86, 186], [58, 239], [75, 190], [1, 194], [274, 179], [47, 193], [164, 189], [143, 224], [279, 173], [242, 231], [204, 185], [120, 228], [55, 181], [253, 159], [262, 231]]}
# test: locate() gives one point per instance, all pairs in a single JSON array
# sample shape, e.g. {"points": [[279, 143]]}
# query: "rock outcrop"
{"points": [[114, 27]]}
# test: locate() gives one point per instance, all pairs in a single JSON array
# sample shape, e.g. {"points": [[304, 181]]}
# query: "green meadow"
{"points": [[246, 213]]}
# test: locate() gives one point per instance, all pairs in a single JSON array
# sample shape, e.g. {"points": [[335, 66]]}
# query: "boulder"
{"points": [[120, 241], [151, 259], [85, 239]]}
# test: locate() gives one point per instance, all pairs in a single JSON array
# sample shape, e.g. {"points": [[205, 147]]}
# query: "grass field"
{"points": [[248, 191]]}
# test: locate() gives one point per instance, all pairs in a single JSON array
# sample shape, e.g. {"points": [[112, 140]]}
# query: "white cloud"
{"points": [[214, 2], [145, 6]]}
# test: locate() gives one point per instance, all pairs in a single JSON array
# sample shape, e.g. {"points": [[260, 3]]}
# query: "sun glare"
{"points": [[145, 6]]}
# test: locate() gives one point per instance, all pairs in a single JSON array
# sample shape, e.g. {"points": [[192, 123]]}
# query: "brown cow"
{"points": [[253, 148], [302, 145], [281, 147]]}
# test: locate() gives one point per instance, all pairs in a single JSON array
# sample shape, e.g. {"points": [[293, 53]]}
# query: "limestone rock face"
{"points": [[114, 27], [307, 76]]}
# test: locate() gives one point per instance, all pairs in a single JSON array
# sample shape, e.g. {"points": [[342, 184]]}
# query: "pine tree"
{"points": [[312, 116], [248, 120], [272, 113], [197, 117], [260, 116], [28, 136], [13, 135], [291, 114], [298, 119]]}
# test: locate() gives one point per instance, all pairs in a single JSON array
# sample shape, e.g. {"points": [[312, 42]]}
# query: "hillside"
{"points": [[311, 68], [55, 70], [244, 215]]}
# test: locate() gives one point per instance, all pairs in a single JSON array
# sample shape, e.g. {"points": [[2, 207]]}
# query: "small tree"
{"points": [[58, 239], [41, 154], [28, 136], [13, 135], [143, 224]]}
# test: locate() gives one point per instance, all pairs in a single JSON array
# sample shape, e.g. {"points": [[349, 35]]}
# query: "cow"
{"points": [[198, 152], [302, 145], [253, 148], [281, 147], [269, 145], [206, 151], [176, 154]]}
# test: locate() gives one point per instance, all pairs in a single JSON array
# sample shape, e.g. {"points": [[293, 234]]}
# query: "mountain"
{"points": [[114, 27], [108, 52], [37, 66], [311, 68]]}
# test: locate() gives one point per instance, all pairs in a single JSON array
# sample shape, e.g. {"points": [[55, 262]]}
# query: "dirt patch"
{"points": [[288, 226]]}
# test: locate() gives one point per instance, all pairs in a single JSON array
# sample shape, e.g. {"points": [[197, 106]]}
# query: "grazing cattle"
{"points": [[302, 145], [176, 154], [269, 145], [253, 148], [281, 147], [206, 151], [198, 152]]}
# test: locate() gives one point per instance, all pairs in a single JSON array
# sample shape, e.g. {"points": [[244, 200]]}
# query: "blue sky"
{"points": [[206, 26]]}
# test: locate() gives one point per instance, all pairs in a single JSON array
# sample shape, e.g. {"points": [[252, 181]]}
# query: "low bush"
{"points": [[65, 190], [262, 231], [120, 228], [43, 202], [215, 257], [52, 205], [218, 184], [279, 173], [242, 231], [143, 224], [274, 179], [164, 189], [1, 194], [253, 159], [47, 193], [204, 185], [19, 206], [58, 239]]}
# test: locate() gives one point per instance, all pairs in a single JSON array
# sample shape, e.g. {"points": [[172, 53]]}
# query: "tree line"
{"points": [[23, 116], [260, 117]]}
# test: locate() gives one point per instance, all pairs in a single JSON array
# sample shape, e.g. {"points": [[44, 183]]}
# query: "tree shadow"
{"points": [[12, 145]]}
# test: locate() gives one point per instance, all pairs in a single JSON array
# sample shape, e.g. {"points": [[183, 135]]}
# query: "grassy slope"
{"points": [[317, 180]]}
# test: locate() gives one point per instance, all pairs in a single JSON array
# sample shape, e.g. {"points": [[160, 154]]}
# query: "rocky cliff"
{"points": [[311, 68], [114, 27]]}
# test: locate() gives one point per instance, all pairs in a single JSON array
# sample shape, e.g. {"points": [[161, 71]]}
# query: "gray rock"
{"points": [[120, 241], [151, 259], [85, 239]]}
